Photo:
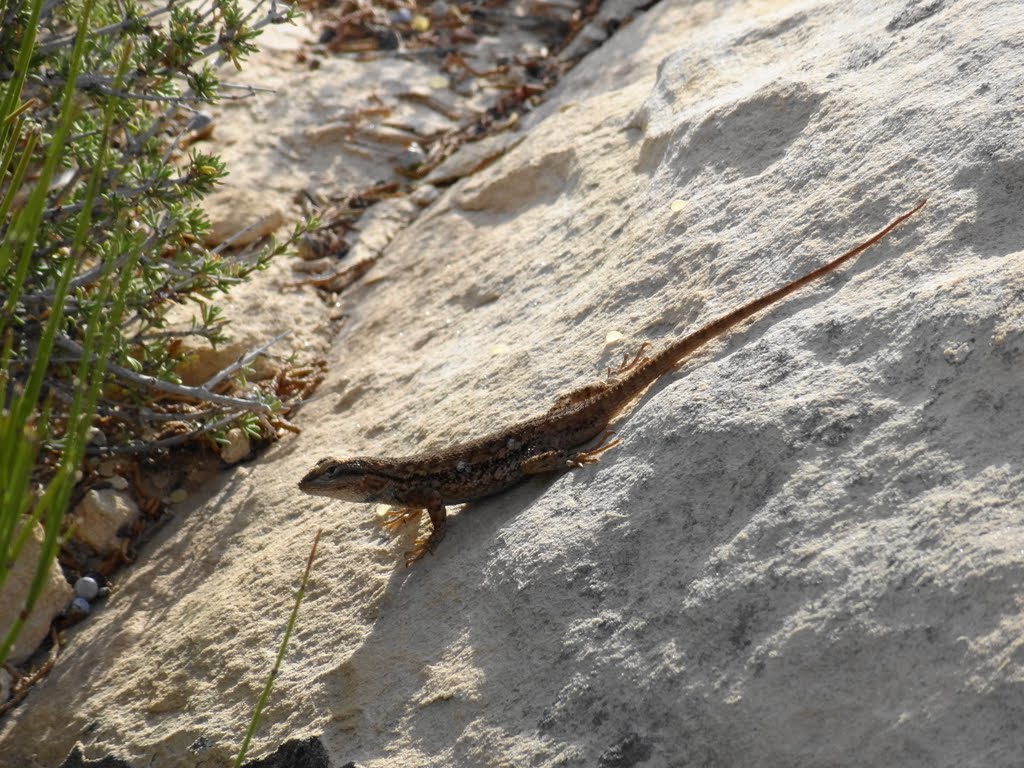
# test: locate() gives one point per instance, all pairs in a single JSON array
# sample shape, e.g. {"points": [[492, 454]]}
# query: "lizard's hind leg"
{"points": [[593, 455], [555, 461], [629, 363]]}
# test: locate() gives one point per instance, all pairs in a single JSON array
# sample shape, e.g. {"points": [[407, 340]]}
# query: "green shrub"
{"points": [[100, 235]]}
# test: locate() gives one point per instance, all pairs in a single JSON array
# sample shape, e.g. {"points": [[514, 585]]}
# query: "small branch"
{"points": [[251, 89], [52, 45], [97, 84], [243, 361], [139, 415], [140, 447], [192, 393], [243, 231]]}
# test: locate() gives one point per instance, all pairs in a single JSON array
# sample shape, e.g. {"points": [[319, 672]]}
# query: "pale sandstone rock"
{"points": [[472, 157], [54, 598], [100, 515], [6, 685], [242, 216], [808, 551], [206, 361], [257, 312]]}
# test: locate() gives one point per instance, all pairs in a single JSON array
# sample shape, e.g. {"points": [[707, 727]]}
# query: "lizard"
{"points": [[550, 442]]}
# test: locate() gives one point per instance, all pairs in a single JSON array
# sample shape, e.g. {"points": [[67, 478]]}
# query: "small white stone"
{"points": [[425, 194], [236, 448], [118, 483], [81, 606], [87, 587]]}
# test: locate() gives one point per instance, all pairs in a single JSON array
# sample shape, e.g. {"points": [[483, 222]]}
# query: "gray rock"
{"points": [[808, 549]]}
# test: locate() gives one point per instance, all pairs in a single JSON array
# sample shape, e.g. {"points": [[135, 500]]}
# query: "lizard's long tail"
{"points": [[649, 370]]}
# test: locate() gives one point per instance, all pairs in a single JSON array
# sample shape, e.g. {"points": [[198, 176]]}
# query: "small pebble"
{"points": [[87, 588], [236, 448], [412, 157], [439, 9], [80, 606], [388, 39], [96, 436], [401, 16], [425, 194], [177, 496]]}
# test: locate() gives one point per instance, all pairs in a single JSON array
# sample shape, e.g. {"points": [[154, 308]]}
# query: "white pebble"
{"points": [[81, 605], [87, 587]]}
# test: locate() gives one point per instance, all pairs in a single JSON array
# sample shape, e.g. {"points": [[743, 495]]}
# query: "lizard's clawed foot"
{"points": [[419, 549], [629, 363], [424, 545], [395, 519], [593, 456]]}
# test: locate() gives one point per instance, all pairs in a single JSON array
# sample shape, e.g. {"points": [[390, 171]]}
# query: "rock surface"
{"points": [[808, 550], [239, 216], [52, 600], [101, 515]]}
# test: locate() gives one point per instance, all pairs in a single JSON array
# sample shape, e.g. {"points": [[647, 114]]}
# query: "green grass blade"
{"points": [[265, 695], [23, 232], [19, 173], [51, 506], [12, 94]]}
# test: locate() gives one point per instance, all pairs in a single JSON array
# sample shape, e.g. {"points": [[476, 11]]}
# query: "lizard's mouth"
{"points": [[315, 485], [322, 477]]}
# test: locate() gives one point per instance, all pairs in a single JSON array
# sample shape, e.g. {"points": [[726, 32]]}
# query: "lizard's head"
{"points": [[346, 479]]}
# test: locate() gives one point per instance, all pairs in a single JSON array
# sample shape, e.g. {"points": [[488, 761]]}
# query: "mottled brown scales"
{"points": [[551, 442]]}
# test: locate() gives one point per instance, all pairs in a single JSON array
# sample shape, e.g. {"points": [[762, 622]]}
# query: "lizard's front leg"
{"points": [[439, 526]]}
